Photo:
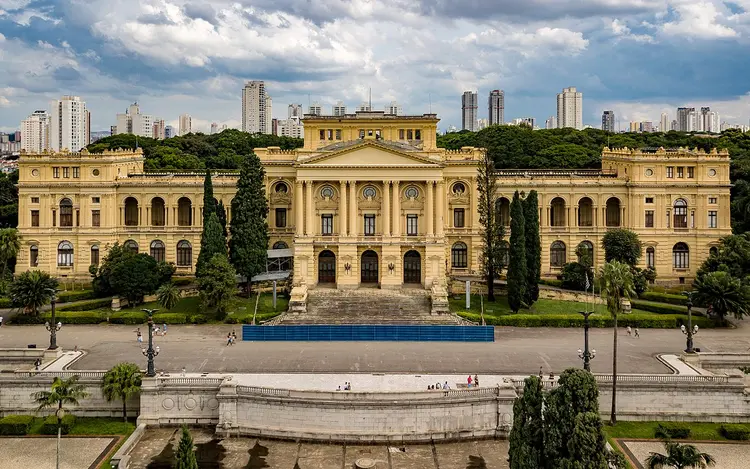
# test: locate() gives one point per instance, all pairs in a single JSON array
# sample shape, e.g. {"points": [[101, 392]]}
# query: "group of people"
{"points": [[347, 387], [630, 331], [231, 338], [438, 386], [157, 331]]}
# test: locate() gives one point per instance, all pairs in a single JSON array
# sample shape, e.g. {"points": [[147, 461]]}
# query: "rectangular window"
{"points": [[76, 172], [409, 135], [35, 218], [280, 218], [94, 255], [458, 218], [95, 200], [680, 172], [361, 133], [322, 134], [327, 224], [34, 256], [54, 218], [417, 134], [330, 134], [649, 218], [369, 225], [691, 172], [401, 133], [95, 218], [649, 200], [55, 171], [35, 200], [412, 227], [712, 200], [670, 171], [66, 172], [713, 218], [338, 134]]}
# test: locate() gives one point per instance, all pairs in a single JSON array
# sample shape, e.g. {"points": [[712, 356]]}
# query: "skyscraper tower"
{"points": [[608, 121], [68, 124], [496, 105], [469, 107], [256, 108], [570, 109]]}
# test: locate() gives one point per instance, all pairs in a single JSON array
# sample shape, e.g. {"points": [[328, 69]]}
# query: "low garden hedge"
{"points": [[68, 296], [551, 282], [644, 321], [27, 319], [670, 298], [49, 426], [170, 318], [87, 305], [6, 302], [183, 281], [197, 319], [76, 317], [128, 317], [670, 430], [658, 308], [735, 431], [16, 424]]}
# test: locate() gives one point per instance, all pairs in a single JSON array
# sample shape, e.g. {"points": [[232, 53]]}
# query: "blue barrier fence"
{"points": [[369, 333]]}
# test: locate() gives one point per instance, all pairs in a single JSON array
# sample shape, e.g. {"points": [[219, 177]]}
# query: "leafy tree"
{"points": [[101, 275], [574, 276], [248, 244], [221, 212], [134, 275], [533, 247], [168, 295], [492, 230], [641, 278], [10, 244], [616, 280], [679, 456], [622, 245], [122, 381], [32, 290], [9, 200], [517, 275], [62, 392], [732, 255], [212, 242], [185, 457], [587, 445], [527, 435], [218, 283], [724, 294]]}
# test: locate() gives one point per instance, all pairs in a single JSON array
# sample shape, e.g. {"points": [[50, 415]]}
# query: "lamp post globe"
{"points": [[150, 352]]}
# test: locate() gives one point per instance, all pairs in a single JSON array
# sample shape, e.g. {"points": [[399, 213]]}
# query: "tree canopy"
{"points": [[517, 268]]}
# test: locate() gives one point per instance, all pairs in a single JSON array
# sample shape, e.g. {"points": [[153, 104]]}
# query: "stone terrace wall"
{"points": [[174, 401]]}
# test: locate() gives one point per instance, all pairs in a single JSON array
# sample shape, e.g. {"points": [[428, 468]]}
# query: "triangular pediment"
{"points": [[369, 154]]}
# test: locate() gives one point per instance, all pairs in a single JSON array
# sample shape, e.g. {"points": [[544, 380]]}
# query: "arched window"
{"points": [[131, 212], [713, 251], [459, 188], [557, 254], [184, 212], [131, 246], [650, 257], [34, 256], [557, 212], [585, 212], [157, 250], [66, 212], [281, 187], [585, 253], [613, 212], [65, 254], [505, 253], [184, 253], [459, 256], [280, 245], [95, 254], [680, 213], [502, 211], [681, 256], [157, 212]]}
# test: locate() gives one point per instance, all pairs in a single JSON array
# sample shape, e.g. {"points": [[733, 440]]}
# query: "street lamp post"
{"points": [[52, 326], [690, 330], [151, 352], [586, 355]]}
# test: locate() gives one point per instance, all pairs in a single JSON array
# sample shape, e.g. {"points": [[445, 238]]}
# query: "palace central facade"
{"points": [[370, 200]]}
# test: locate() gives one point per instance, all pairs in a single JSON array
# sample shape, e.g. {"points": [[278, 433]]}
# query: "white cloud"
{"points": [[622, 31], [700, 20], [543, 41]]}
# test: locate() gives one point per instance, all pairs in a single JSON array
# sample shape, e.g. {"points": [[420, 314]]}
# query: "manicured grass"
{"points": [[92, 426], [543, 306], [646, 430]]}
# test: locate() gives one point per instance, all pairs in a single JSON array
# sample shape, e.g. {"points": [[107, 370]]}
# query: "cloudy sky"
{"points": [[638, 57]]}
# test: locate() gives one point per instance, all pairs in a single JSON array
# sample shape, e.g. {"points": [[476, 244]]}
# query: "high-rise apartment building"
{"points": [[707, 121], [550, 123], [674, 125], [525, 121], [133, 122], [634, 126], [214, 128], [295, 110], [647, 126], [366, 106], [393, 108], [257, 108], [339, 109], [482, 124], [496, 107], [469, 108], [608, 121], [159, 130], [185, 124], [664, 122], [315, 109], [570, 109], [291, 127], [35, 132], [684, 119], [169, 132], [68, 127]]}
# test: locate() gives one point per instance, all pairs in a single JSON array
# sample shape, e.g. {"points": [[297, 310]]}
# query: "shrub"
{"points": [[551, 282], [27, 319], [170, 318], [671, 430], [644, 321], [197, 319], [16, 424], [183, 281], [6, 303], [672, 299], [128, 317], [76, 317], [68, 296], [260, 317], [87, 305], [658, 308], [735, 431], [574, 276], [49, 427]]}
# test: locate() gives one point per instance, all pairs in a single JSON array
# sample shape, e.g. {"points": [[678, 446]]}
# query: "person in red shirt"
{"points": [[468, 381]]}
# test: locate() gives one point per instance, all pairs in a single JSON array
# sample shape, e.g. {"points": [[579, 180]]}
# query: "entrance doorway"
{"points": [[327, 267], [412, 267], [369, 267]]}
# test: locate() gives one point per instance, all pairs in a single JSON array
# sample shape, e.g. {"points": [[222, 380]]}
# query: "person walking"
{"points": [[468, 381], [628, 330], [164, 330], [476, 380], [229, 339], [1, 321], [637, 333], [138, 335]]}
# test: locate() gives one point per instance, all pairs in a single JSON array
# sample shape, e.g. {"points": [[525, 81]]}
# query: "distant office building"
{"points": [[608, 121], [647, 126], [291, 127], [339, 109], [69, 129], [274, 126], [482, 124], [496, 107], [112, 130], [364, 107], [295, 110], [159, 130], [634, 127], [708, 121], [214, 128], [684, 119], [35, 132], [550, 123], [673, 125], [315, 109], [469, 107], [169, 132], [257, 108], [664, 122], [133, 122], [527, 121], [185, 124], [570, 109], [393, 108]]}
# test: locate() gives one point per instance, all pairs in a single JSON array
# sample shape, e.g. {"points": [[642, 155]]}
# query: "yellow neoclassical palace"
{"points": [[371, 200]]}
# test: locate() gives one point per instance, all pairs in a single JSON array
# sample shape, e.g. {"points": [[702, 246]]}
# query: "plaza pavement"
{"points": [[40, 452], [515, 350]]}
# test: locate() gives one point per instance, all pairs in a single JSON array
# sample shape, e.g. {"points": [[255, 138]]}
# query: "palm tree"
{"points": [[616, 279], [168, 295], [723, 293], [680, 457], [10, 244], [33, 289], [121, 382]]}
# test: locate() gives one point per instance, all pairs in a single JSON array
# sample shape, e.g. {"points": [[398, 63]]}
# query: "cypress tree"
{"points": [[492, 232], [212, 242], [533, 247], [185, 457], [209, 203], [517, 279], [527, 435], [221, 212], [248, 244]]}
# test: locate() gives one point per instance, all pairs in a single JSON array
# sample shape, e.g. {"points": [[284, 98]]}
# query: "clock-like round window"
{"points": [[412, 192], [649, 172], [369, 192], [327, 192], [281, 187], [459, 188], [712, 172], [35, 172], [95, 172]]}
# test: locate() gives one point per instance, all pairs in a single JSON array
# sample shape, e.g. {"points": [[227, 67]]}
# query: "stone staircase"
{"points": [[368, 306]]}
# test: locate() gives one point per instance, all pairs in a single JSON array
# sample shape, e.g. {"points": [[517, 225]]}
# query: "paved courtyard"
{"points": [[40, 452], [156, 451], [515, 350], [727, 455]]}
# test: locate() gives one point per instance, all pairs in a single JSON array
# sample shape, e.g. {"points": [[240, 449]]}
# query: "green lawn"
{"points": [[92, 426], [646, 430]]}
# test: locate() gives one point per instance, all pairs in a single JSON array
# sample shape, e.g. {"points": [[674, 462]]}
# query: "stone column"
{"points": [[430, 208], [548, 219], [623, 222], [386, 219], [342, 209], [396, 209], [309, 230], [354, 219], [299, 208], [440, 216]]}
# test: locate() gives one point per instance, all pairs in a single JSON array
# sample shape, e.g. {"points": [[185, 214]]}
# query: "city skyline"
{"points": [[193, 57]]}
